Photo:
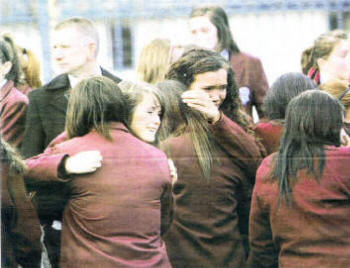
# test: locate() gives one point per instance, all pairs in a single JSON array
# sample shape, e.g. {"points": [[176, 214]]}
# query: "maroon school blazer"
{"points": [[20, 227], [270, 133], [249, 72], [113, 216], [13, 114], [210, 224], [315, 230]]}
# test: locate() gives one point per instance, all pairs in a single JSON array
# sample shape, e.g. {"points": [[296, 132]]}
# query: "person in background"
{"points": [[328, 58], [31, 67], [300, 206], [132, 185], [209, 28], [307, 55], [20, 227], [75, 49], [154, 61], [340, 89], [282, 91], [14, 104], [216, 162]]}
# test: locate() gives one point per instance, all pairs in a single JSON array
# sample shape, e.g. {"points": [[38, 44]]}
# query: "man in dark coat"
{"points": [[75, 49]]}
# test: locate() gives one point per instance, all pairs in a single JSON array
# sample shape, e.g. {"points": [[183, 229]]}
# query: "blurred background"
{"points": [[276, 31]]}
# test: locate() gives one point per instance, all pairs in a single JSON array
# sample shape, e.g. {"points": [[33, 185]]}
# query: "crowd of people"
{"points": [[170, 170]]}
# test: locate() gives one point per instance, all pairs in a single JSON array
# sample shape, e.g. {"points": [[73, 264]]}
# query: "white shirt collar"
{"points": [[225, 54], [74, 81], [3, 83]]}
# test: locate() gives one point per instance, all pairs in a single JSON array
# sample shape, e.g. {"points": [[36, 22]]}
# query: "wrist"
{"points": [[215, 118], [62, 168]]}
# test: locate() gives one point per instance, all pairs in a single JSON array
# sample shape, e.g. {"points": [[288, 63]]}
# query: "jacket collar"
{"points": [[62, 80], [119, 126]]}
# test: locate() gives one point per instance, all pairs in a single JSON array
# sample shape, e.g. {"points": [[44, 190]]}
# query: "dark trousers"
{"points": [[52, 241]]}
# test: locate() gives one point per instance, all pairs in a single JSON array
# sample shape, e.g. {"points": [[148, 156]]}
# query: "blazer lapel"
{"points": [[59, 89]]}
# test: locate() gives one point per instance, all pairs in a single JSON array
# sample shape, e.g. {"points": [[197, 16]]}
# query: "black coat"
{"points": [[46, 115]]}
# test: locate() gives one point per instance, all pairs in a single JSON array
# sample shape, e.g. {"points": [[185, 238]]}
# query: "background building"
{"points": [[277, 31]]}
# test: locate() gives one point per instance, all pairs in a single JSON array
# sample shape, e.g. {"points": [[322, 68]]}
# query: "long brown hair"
{"points": [[93, 104], [179, 119], [31, 67], [198, 61], [313, 120]]}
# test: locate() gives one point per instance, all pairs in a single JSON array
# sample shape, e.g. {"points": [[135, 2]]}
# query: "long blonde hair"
{"points": [[31, 67], [336, 88], [154, 61]]}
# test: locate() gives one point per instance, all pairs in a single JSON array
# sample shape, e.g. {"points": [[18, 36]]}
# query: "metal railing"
{"points": [[39, 12]]}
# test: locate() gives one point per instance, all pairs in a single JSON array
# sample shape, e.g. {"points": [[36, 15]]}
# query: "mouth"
{"points": [[152, 130], [217, 103]]}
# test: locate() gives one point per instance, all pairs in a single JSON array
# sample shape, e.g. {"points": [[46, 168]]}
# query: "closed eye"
{"points": [[222, 87]]}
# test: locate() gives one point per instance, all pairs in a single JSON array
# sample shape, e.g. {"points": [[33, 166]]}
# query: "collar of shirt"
{"points": [[225, 54], [74, 81]]}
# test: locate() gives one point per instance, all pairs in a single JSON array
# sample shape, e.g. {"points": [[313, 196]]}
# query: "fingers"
{"points": [[84, 162], [196, 95]]}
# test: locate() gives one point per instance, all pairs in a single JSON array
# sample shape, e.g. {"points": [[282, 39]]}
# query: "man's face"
{"points": [[70, 50]]}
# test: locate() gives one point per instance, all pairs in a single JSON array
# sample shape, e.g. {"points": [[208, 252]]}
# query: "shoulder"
{"points": [[268, 127], [176, 142], [145, 148], [110, 75], [264, 172], [59, 82], [248, 57], [341, 155], [16, 97]]}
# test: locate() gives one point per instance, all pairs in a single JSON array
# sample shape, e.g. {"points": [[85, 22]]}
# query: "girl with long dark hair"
{"points": [[209, 28], [301, 200], [216, 161], [282, 91]]}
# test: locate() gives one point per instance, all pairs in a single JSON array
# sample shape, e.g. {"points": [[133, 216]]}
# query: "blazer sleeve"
{"points": [[25, 228], [33, 141], [262, 250], [241, 146], [47, 166], [166, 204], [12, 122], [259, 86]]}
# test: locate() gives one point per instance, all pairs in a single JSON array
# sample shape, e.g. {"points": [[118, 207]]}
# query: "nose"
{"points": [[57, 54], [214, 95], [157, 120]]}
